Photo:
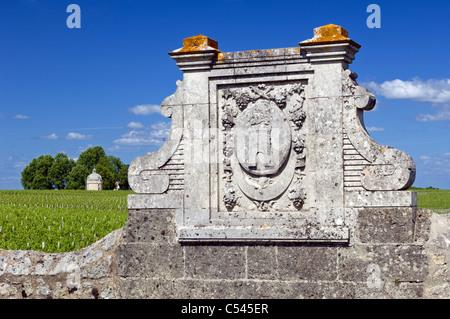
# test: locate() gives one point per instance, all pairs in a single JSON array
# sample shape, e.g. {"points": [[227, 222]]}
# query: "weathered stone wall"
{"points": [[86, 273], [396, 253]]}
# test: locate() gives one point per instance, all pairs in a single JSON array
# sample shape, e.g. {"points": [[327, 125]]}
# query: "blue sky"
{"points": [[64, 90]]}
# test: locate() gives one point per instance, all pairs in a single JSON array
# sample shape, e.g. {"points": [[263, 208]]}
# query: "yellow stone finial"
{"points": [[198, 43], [329, 33]]}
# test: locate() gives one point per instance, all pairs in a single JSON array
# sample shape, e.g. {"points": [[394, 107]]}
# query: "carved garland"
{"points": [[243, 97]]}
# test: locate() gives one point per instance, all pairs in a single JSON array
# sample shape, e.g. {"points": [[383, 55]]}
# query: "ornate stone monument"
{"points": [[269, 186], [270, 146]]}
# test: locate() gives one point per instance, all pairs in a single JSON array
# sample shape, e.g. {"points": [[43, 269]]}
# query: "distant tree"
{"points": [[122, 177], [119, 171], [60, 170], [107, 176], [91, 157], [28, 174], [110, 168], [115, 164], [77, 177], [36, 174], [41, 182]]}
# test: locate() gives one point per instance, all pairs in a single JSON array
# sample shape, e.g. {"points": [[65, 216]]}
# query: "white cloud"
{"points": [[135, 125], [20, 164], [161, 129], [52, 136], [9, 178], [145, 109], [81, 149], [436, 165], [96, 128], [20, 117], [442, 114], [375, 129], [135, 141], [156, 135], [434, 91], [77, 136]]}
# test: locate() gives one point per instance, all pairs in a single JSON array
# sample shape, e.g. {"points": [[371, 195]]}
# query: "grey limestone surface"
{"points": [[396, 253]]}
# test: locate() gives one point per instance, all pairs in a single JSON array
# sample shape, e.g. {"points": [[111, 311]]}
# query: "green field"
{"points": [[61, 221], [438, 200]]}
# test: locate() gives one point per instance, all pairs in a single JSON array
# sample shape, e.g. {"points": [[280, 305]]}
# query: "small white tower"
{"points": [[94, 181]]}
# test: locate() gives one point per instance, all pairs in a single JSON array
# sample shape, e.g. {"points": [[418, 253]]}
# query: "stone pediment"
{"points": [[270, 145]]}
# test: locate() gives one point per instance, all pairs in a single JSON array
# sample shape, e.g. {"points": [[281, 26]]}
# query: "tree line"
{"points": [[62, 172]]}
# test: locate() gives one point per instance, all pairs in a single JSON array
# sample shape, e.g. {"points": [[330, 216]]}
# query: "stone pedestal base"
{"points": [[391, 257]]}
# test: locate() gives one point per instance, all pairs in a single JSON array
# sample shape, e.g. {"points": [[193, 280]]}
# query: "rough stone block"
{"points": [[390, 289], [133, 288], [395, 225], [213, 289], [100, 270], [422, 225], [399, 263], [147, 261], [309, 262], [262, 262], [215, 262], [149, 226]]}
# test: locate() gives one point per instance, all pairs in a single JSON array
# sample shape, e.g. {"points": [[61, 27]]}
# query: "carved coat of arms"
{"points": [[263, 146]]}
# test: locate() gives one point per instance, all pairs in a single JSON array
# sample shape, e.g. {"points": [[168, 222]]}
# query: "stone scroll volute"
{"points": [[146, 174], [386, 168]]}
